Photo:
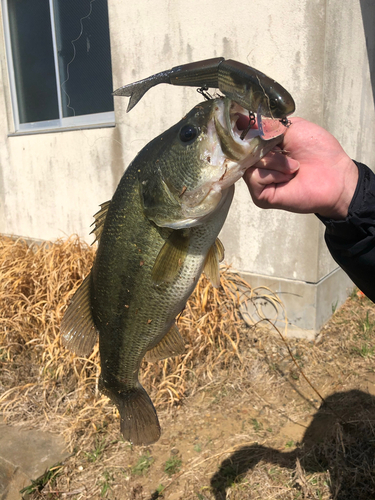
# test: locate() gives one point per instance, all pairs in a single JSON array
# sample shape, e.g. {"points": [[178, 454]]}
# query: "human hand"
{"points": [[310, 173]]}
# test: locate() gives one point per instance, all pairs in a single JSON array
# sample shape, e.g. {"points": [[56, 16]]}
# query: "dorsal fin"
{"points": [[99, 220], [77, 327], [211, 265], [172, 344]]}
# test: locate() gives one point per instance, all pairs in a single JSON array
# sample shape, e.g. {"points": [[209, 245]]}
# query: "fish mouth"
{"points": [[234, 143], [237, 127], [243, 139]]}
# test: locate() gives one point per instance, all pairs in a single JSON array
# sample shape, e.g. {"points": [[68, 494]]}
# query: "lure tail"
{"points": [[196, 74], [138, 89]]}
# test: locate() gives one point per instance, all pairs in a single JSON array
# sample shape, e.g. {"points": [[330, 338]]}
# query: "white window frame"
{"points": [[94, 120]]}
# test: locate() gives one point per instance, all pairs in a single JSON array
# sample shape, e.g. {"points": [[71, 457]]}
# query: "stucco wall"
{"points": [[51, 184]]}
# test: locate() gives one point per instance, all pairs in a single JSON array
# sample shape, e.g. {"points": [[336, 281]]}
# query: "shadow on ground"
{"points": [[340, 439]]}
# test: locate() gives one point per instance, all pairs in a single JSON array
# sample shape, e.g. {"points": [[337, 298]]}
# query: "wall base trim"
{"points": [[298, 308]]}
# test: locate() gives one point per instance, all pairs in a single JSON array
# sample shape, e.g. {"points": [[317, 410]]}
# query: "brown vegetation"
{"points": [[239, 421], [47, 381]]}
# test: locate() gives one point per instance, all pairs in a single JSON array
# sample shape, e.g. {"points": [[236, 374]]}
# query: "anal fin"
{"points": [[172, 344], [77, 327]]}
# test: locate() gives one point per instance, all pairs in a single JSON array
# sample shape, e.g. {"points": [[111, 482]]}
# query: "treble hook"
{"points": [[204, 93], [251, 123], [287, 123]]}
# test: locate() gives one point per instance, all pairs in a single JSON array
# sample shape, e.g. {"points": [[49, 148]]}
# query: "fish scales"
{"points": [[121, 276], [155, 237]]}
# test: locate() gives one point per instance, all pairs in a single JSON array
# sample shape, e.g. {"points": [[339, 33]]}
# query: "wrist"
{"points": [[339, 210]]}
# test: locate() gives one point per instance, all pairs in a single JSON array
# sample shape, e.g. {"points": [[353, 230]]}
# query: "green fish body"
{"points": [[156, 236]]}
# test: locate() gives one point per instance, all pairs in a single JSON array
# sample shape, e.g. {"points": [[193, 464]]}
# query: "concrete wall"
{"points": [[51, 184]]}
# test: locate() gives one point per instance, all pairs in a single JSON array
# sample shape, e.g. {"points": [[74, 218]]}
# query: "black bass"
{"points": [[156, 236]]}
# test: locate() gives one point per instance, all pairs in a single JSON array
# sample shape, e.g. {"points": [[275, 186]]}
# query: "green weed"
{"points": [[158, 493], [273, 472], [48, 477], [198, 447], [105, 483], [334, 306], [143, 464], [367, 324], [219, 397], [294, 374], [172, 465], [202, 496], [258, 426], [365, 351], [93, 456]]}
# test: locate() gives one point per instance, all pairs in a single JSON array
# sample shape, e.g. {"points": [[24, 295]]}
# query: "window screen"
{"points": [[60, 61]]}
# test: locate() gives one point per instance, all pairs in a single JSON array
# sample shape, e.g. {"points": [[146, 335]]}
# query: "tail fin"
{"points": [[139, 421]]}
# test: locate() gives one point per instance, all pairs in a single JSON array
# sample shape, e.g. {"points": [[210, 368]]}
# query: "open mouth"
{"points": [[236, 143], [246, 125], [241, 124], [244, 138], [242, 132]]}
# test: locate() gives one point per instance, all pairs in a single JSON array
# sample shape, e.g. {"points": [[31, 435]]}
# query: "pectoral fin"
{"points": [[171, 257], [77, 327], [172, 344], [211, 265]]}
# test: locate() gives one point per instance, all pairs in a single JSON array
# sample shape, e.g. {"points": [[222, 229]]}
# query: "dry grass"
{"points": [[256, 394], [42, 381], [39, 378]]}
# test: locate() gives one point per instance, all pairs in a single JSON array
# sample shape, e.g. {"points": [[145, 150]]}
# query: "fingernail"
{"points": [[293, 165]]}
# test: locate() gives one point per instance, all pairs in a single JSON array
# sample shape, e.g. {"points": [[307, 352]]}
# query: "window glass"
{"points": [[84, 57], [33, 60], [60, 63]]}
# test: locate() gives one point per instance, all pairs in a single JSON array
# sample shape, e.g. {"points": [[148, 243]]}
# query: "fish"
{"points": [[247, 86], [155, 237]]}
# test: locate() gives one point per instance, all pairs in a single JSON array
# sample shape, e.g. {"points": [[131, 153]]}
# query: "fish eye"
{"points": [[188, 133], [273, 103]]}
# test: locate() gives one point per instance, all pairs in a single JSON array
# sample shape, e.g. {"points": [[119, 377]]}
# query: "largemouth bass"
{"points": [[156, 236]]}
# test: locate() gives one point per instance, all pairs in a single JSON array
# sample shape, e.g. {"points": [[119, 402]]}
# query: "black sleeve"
{"points": [[352, 241]]}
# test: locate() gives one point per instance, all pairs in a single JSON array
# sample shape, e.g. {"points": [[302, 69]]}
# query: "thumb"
{"points": [[276, 160]]}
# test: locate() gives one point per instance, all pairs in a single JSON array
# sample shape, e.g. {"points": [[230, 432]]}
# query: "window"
{"points": [[59, 63]]}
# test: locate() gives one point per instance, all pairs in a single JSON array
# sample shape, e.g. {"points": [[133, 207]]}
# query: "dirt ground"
{"points": [[257, 431], [243, 414]]}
